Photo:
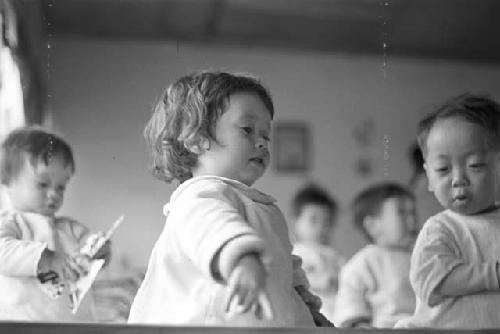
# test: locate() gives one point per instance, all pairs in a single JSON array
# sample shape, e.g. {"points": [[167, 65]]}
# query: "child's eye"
{"points": [[61, 188], [441, 170], [43, 184], [266, 138], [477, 165], [247, 130]]}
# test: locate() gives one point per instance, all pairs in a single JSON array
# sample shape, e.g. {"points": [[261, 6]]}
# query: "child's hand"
{"points": [[63, 265], [104, 252], [246, 288]]}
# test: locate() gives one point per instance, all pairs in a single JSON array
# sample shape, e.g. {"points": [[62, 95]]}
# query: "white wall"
{"points": [[103, 93]]}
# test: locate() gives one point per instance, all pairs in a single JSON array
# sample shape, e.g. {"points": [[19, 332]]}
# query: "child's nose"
{"points": [[459, 177], [261, 143], [53, 194]]}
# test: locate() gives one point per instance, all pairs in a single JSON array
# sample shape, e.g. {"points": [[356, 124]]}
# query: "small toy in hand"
{"points": [[90, 258], [90, 262], [51, 284]]}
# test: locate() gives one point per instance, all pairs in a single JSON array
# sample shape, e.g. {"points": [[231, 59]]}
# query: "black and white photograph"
{"points": [[241, 166]]}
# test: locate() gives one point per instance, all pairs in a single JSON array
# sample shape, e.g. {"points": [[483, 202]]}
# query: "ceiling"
{"points": [[463, 30]]}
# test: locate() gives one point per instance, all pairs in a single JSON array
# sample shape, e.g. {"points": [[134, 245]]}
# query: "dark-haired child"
{"points": [[315, 214], [35, 169], [455, 263], [374, 285], [224, 257]]}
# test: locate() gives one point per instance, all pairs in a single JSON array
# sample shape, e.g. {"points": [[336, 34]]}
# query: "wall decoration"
{"points": [[291, 147]]}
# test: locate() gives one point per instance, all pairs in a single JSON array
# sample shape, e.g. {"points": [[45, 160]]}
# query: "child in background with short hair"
{"points": [[315, 214], [374, 285], [455, 263], [224, 256], [35, 168]]}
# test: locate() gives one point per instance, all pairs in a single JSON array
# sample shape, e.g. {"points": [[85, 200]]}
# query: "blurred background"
{"points": [[353, 76]]}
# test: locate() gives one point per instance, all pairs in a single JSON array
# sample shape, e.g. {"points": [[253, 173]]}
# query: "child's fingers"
{"points": [[246, 301], [230, 296], [265, 305]]}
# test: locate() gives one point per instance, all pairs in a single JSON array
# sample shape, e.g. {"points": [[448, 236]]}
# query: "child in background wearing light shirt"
{"points": [[315, 214], [374, 285], [35, 168], [455, 263], [224, 257]]}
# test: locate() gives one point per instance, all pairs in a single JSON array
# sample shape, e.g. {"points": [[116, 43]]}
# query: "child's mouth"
{"points": [[259, 161], [460, 198]]}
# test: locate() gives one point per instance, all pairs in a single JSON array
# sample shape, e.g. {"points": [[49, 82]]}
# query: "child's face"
{"points": [[241, 151], [40, 188], [314, 224], [461, 168], [396, 223]]}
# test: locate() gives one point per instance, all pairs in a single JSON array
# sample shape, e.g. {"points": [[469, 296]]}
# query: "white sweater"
{"points": [[375, 284], [206, 215], [454, 272], [23, 237]]}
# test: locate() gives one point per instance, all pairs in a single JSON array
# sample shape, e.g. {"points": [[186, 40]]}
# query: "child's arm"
{"points": [[438, 270], [28, 257], [246, 288], [17, 257], [207, 224]]}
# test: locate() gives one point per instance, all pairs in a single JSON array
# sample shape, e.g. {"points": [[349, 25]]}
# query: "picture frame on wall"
{"points": [[291, 147]]}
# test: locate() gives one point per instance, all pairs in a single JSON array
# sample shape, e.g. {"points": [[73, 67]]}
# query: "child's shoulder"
{"points": [[219, 188], [364, 256]]}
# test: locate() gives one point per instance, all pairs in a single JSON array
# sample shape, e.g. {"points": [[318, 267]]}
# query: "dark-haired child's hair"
{"points": [[35, 144], [370, 201], [187, 114], [478, 109], [312, 194], [417, 163]]}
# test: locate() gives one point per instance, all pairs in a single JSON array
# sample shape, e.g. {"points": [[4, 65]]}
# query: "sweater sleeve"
{"points": [[17, 257], [354, 283], [209, 225], [438, 270]]}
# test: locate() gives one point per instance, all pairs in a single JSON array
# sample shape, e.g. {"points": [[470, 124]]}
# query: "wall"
{"points": [[102, 93]]}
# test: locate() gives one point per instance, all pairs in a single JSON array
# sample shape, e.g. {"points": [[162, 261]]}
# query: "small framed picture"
{"points": [[291, 147]]}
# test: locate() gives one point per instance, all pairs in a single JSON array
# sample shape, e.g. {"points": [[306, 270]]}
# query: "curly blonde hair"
{"points": [[186, 115]]}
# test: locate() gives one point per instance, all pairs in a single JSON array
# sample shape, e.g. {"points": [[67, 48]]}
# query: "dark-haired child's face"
{"points": [[461, 168], [314, 224], [241, 151], [40, 188], [396, 224]]}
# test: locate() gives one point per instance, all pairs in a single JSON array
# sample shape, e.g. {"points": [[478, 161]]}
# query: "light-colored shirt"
{"points": [[23, 238], [207, 215], [322, 265], [374, 284], [454, 272]]}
